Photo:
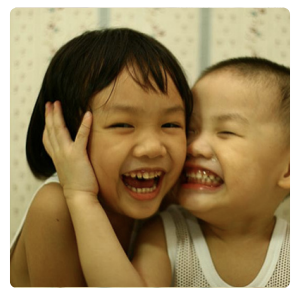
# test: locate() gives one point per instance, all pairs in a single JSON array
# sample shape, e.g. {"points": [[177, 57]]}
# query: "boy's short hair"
{"points": [[86, 65], [265, 72]]}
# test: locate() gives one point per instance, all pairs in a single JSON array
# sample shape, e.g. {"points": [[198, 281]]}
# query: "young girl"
{"points": [[235, 176], [133, 91]]}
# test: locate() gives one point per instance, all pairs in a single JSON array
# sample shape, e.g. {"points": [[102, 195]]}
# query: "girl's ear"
{"points": [[284, 181]]}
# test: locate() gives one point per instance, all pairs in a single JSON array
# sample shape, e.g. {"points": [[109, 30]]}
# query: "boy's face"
{"points": [[236, 141], [137, 145]]}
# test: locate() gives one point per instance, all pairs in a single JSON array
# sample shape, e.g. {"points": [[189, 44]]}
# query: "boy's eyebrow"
{"points": [[231, 117]]}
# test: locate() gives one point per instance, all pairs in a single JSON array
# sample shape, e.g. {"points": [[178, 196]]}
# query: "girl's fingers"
{"points": [[84, 131], [61, 132], [47, 143], [56, 135], [49, 136]]}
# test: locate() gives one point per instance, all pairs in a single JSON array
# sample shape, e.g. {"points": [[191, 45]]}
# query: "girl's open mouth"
{"points": [[143, 184]]}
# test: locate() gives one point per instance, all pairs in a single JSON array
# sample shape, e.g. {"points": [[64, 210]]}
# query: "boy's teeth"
{"points": [[203, 176]]}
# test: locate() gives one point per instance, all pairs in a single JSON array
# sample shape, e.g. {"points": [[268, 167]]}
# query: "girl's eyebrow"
{"points": [[133, 109]]}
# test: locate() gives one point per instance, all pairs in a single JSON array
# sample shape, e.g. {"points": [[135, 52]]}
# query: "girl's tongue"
{"points": [[139, 183]]}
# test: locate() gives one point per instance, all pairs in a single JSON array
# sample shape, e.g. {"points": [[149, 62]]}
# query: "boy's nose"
{"points": [[200, 147], [151, 146]]}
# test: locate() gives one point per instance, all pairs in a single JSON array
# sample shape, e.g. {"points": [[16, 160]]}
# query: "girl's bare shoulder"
{"points": [[48, 215], [50, 240], [49, 204]]}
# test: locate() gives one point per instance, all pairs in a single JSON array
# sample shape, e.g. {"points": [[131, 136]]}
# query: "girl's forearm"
{"points": [[102, 257]]}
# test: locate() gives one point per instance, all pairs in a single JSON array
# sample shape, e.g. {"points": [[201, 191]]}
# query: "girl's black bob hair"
{"points": [[86, 65]]}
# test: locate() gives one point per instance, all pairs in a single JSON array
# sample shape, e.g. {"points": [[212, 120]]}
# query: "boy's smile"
{"points": [[200, 178], [137, 145]]}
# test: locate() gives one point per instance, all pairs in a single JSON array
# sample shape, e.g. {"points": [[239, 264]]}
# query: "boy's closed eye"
{"points": [[226, 132]]}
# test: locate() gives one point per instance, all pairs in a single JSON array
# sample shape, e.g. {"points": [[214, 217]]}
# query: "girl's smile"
{"points": [[143, 184]]}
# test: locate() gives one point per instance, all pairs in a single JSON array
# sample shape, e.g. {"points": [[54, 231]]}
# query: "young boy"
{"points": [[235, 176]]}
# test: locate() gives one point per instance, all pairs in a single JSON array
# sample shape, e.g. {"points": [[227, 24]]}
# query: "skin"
{"points": [[235, 135], [144, 132], [231, 133], [247, 142], [57, 233]]}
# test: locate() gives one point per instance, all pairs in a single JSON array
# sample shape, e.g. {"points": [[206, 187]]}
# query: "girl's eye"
{"points": [[171, 125], [121, 125]]}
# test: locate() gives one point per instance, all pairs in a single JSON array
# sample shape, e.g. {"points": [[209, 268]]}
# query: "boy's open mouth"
{"points": [[142, 181], [202, 177]]}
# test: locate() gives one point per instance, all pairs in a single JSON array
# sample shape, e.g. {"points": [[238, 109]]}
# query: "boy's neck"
{"points": [[252, 229]]}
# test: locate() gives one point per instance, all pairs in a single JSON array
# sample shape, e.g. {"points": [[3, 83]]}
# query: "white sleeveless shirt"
{"points": [[192, 265]]}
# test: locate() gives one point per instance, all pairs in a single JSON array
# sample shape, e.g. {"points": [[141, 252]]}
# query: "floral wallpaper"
{"points": [[197, 36]]}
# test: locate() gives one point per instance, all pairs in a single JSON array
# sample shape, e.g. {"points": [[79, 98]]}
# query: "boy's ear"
{"points": [[284, 181]]}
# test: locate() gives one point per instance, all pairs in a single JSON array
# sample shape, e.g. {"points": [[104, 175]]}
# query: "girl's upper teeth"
{"points": [[145, 175]]}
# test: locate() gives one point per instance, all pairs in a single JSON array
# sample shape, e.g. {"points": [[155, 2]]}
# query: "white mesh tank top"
{"points": [[191, 262]]}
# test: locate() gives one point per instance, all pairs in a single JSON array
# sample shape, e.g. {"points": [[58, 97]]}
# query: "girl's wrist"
{"points": [[80, 197]]}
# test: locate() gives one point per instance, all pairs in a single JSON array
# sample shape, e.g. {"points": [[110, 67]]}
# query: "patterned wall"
{"points": [[198, 37]]}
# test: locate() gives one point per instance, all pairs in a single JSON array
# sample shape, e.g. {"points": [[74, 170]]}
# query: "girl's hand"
{"points": [[70, 158]]}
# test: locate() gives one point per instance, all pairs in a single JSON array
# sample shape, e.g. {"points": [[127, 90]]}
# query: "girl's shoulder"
{"points": [[49, 200], [49, 210], [50, 240]]}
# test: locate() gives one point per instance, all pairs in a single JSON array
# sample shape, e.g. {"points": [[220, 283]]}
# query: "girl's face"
{"points": [[236, 151], [137, 145]]}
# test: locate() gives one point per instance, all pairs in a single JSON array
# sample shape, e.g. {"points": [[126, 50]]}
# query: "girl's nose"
{"points": [[150, 146]]}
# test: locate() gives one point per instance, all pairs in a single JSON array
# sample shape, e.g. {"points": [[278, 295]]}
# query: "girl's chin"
{"points": [[142, 213]]}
